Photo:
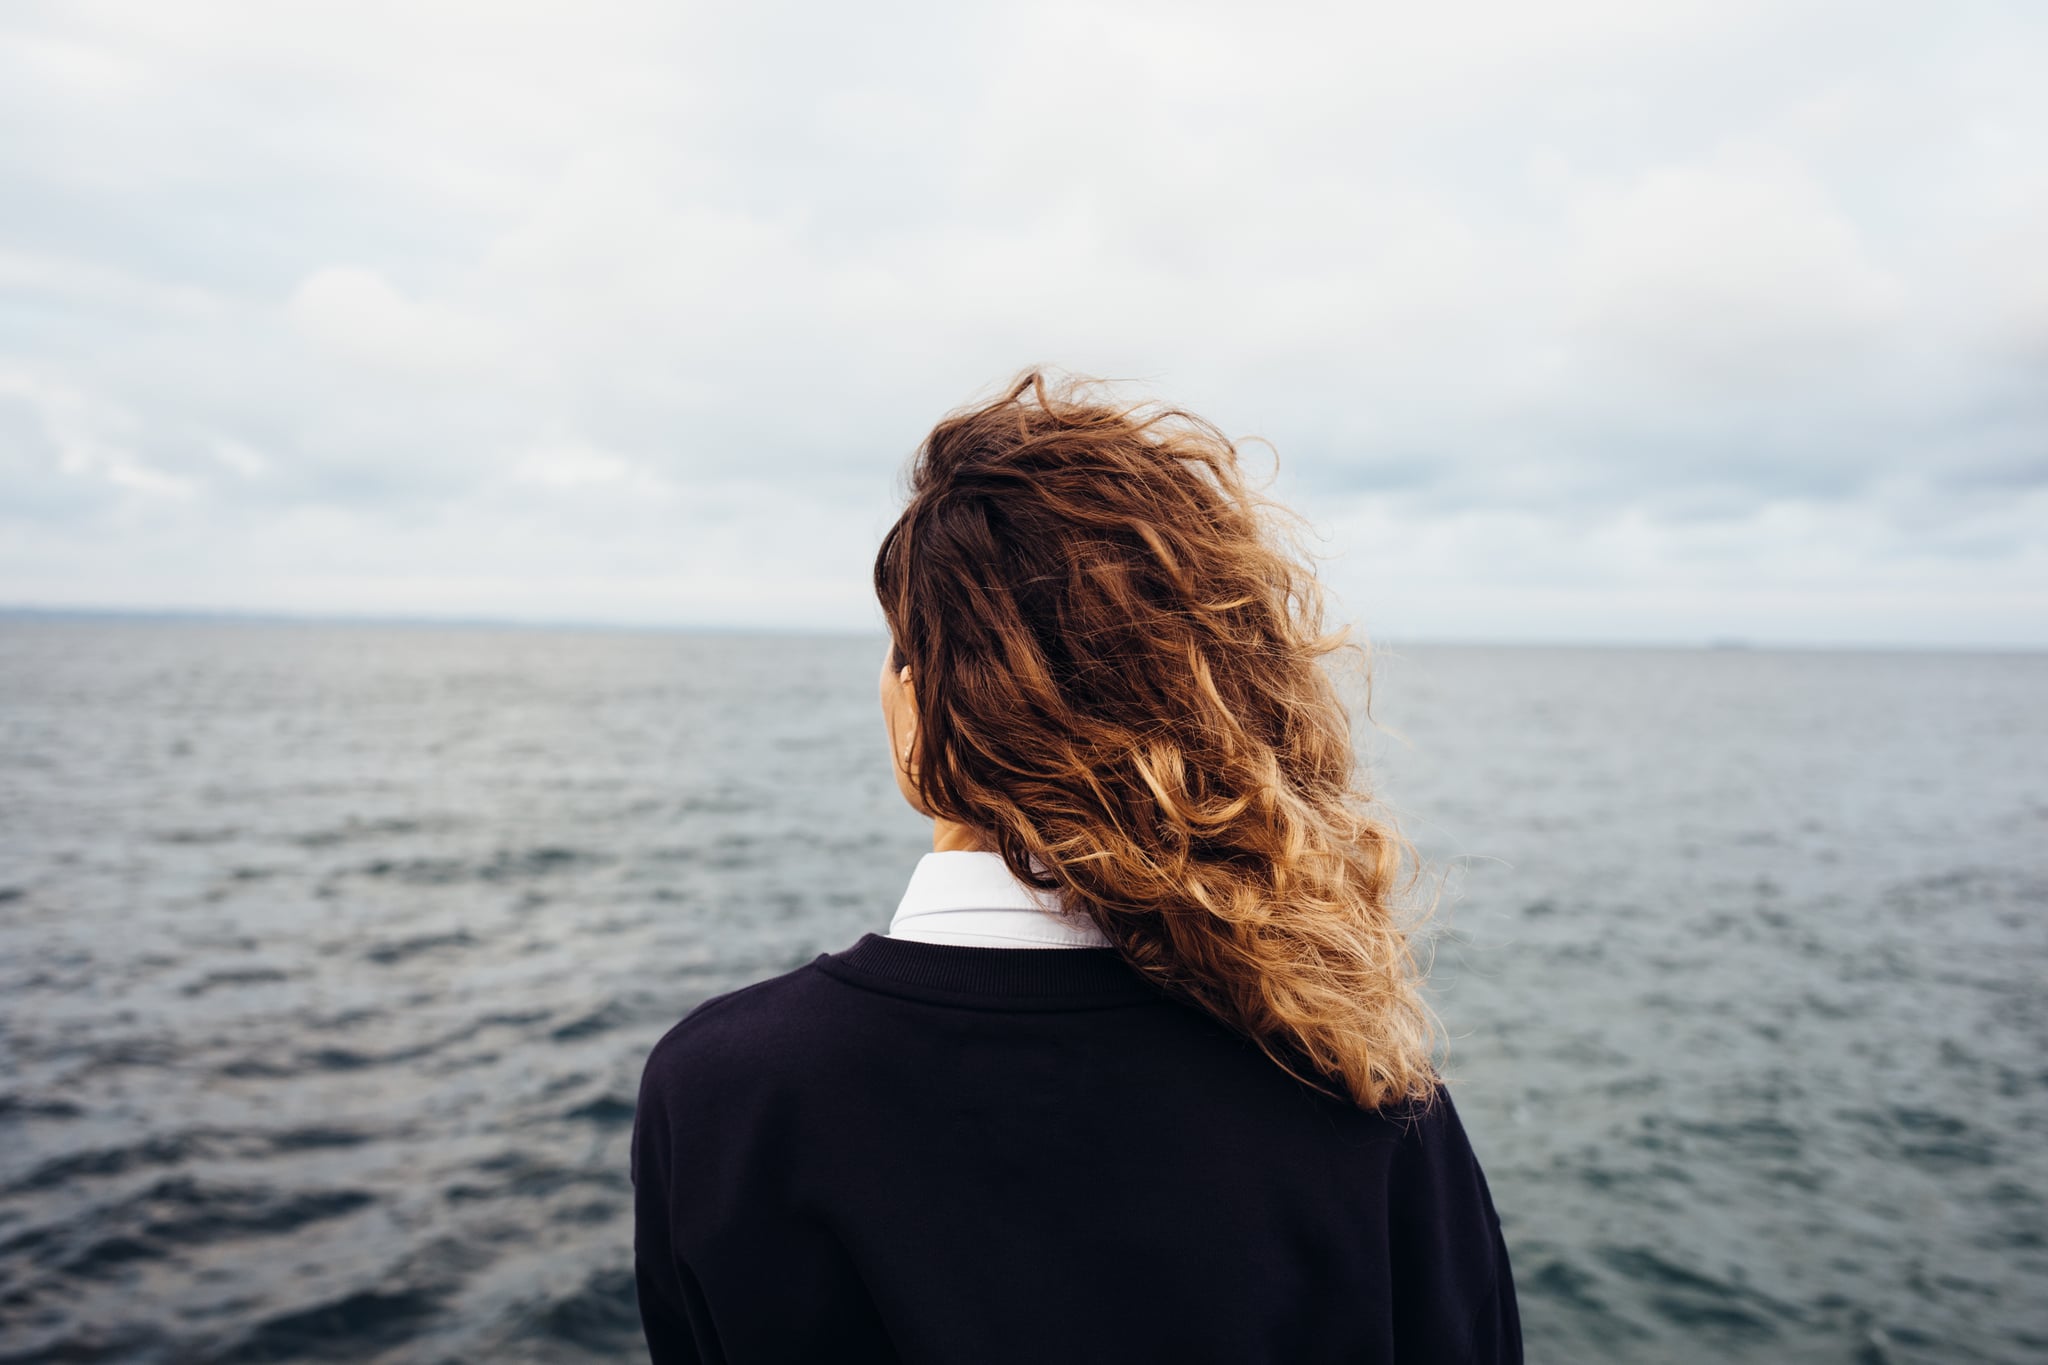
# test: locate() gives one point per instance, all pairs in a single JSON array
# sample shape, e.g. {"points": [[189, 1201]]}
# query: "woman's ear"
{"points": [[909, 713]]}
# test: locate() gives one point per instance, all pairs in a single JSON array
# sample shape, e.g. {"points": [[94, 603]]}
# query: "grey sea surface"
{"points": [[329, 956]]}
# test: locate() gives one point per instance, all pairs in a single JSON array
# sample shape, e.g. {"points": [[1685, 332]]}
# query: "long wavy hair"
{"points": [[1117, 655]]}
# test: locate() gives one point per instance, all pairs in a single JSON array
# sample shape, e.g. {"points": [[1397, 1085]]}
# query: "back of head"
{"points": [[1119, 669]]}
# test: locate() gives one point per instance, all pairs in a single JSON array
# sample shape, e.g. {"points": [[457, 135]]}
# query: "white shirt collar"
{"points": [[968, 896]]}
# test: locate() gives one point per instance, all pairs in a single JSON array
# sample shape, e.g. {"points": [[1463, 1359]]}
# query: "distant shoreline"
{"points": [[1378, 645], [229, 617]]}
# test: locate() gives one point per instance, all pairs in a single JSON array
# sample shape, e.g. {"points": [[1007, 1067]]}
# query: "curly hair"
{"points": [[1117, 654]]}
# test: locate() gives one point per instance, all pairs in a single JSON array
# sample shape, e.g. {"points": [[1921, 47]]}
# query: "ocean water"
{"points": [[328, 957]]}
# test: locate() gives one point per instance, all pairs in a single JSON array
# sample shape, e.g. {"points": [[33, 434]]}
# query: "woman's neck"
{"points": [[949, 836]]}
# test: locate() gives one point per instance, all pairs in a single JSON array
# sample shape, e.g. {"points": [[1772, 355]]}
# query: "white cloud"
{"points": [[1740, 271], [90, 441], [577, 464], [527, 304], [356, 313], [242, 458], [46, 277]]}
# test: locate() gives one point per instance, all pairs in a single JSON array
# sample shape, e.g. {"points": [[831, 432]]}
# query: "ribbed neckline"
{"points": [[992, 978]]}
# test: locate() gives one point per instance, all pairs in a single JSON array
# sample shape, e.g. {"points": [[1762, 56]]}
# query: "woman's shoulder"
{"points": [[749, 1030]]}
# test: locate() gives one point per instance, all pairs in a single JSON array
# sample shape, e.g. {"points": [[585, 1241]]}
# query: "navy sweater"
{"points": [[954, 1155]]}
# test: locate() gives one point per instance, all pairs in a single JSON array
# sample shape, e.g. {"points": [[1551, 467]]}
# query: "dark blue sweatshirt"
{"points": [[948, 1155]]}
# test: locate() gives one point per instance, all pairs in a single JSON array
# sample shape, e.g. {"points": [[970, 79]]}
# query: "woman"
{"points": [[1140, 1071]]}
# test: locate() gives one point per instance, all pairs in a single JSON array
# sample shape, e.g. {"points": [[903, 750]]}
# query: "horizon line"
{"points": [[256, 617]]}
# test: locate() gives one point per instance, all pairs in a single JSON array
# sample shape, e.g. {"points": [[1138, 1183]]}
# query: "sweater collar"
{"points": [[989, 978]]}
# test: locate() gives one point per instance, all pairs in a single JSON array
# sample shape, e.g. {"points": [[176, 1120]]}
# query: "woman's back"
{"points": [[1200, 1119], [928, 1152]]}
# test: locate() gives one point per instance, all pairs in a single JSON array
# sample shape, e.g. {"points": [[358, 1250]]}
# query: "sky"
{"points": [[1583, 321]]}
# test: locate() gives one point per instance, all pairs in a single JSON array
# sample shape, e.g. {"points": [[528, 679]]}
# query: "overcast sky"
{"points": [[1567, 321]]}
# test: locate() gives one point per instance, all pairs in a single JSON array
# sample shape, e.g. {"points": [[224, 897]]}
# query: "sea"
{"points": [[329, 955]]}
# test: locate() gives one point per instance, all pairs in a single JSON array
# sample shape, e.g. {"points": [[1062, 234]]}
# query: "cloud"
{"points": [[575, 464], [357, 314], [84, 441], [1738, 273], [638, 308]]}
